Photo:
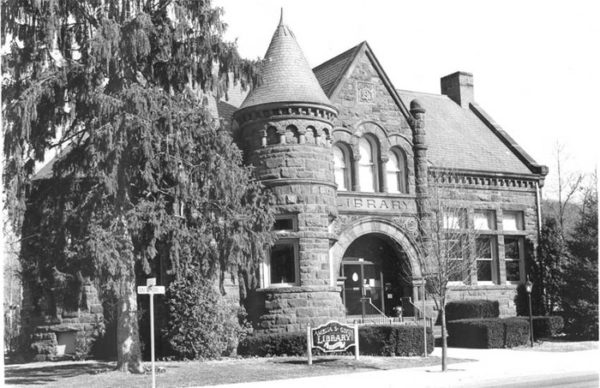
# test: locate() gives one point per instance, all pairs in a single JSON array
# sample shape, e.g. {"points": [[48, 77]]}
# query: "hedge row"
{"points": [[379, 340], [488, 333], [472, 309], [544, 327]]}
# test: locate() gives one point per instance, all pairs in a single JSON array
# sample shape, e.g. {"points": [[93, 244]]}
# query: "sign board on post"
{"points": [[150, 289], [332, 337]]}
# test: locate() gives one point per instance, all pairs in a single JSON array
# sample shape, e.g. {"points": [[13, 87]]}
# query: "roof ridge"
{"points": [[418, 92], [333, 59]]}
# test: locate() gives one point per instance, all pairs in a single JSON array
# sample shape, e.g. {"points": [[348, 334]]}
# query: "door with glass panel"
{"points": [[362, 279]]}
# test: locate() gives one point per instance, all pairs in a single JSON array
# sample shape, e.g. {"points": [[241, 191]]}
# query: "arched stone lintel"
{"points": [[378, 225]]}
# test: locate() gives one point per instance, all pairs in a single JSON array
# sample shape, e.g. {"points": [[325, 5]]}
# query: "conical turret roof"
{"points": [[285, 74]]}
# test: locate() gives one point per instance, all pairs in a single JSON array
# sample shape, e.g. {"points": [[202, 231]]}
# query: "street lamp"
{"points": [[528, 288]]}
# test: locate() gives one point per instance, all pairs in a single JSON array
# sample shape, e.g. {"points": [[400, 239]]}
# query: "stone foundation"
{"points": [[85, 324], [292, 309]]}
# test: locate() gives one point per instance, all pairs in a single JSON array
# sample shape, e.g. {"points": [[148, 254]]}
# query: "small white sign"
{"points": [[151, 290]]}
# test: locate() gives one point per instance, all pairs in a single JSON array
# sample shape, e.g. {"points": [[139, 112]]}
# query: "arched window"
{"points": [[396, 171], [367, 165], [272, 136], [341, 167]]}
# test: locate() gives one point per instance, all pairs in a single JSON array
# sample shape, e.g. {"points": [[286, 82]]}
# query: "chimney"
{"points": [[459, 87]]}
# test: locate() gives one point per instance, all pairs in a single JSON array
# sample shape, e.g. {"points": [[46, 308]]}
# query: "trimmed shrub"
{"points": [[472, 309], [516, 332], [261, 345], [378, 340], [393, 340], [546, 326], [488, 333]]}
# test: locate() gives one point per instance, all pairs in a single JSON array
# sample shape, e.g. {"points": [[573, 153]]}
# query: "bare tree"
{"points": [[568, 184], [449, 247]]}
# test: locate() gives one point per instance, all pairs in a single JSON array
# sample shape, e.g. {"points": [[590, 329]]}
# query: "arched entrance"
{"points": [[377, 263], [373, 267]]}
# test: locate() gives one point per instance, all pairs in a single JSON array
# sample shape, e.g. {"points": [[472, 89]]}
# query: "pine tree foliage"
{"points": [[146, 173]]}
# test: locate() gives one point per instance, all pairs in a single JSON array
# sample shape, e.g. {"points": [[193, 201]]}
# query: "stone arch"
{"points": [[378, 225], [376, 130], [292, 134]]}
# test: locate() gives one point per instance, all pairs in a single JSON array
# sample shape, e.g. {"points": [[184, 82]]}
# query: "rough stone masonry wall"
{"points": [[500, 197], [87, 324], [293, 157]]}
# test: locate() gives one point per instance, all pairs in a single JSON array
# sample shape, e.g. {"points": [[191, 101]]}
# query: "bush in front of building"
{"points": [[472, 309], [201, 323], [488, 333], [393, 340], [546, 326], [375, 340], [277, 344]]}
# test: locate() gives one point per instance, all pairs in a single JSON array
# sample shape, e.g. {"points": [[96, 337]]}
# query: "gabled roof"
{"points": [[330, 73], [457, 138], [285, 74], [465, 139]]}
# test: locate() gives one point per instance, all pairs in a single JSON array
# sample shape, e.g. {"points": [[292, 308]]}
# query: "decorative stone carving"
{"points": [[409, 224], [365, 92]]}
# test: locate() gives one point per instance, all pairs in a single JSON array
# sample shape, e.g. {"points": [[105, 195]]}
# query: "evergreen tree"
{"points": [[580, 293], [548, 274], [146, 173]]}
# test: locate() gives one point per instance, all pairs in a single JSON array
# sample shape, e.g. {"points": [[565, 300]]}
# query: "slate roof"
{"points": [[329, 73], [285, 74], [458, 139], [466, 139]]}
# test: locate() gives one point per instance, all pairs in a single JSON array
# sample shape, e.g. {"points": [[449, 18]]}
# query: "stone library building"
{"points": [[348, 157]]}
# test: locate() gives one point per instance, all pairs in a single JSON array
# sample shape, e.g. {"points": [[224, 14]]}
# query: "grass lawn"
{"points": [[194, 373], [559, 345]]}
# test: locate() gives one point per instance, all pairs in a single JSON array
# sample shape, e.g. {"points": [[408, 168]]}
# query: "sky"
{"points": [[535, 63]]}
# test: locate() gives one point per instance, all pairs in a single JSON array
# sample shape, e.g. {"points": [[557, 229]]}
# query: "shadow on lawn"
{"points": [[333, 363], [51, 373]]}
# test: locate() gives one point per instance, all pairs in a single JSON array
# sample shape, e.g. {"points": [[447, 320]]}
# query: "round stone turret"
{"points": [[286, 124]]}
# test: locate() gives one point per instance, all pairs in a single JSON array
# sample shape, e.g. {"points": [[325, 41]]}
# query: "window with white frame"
{"points": [[513, 257], [486, 257], [454, 219], [396, 171], [512, 220], [367, 167], [453, 247], [282, 268], [341, 167], [484, 220]]}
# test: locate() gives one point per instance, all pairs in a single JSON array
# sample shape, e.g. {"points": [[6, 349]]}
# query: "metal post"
{"points": [[152, 339], [424, 323], [309, 344], [530, 320], [356, 352]]}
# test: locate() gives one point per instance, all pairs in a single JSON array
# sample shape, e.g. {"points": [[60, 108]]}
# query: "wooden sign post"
{"points": [[150, 289], [332, 337]]}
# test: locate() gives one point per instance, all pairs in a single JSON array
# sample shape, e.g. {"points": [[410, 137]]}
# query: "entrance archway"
{"points": [[376, 261]]}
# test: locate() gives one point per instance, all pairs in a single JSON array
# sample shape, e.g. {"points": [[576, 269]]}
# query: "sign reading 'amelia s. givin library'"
{"points": [[332, 337]]}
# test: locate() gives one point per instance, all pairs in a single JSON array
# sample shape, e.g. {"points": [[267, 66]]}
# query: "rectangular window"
{"points": [[457, 273], [485, 247], [454, 219], [282, 264], [512, 220], [484, 220], [513, 256], [285, 223]]}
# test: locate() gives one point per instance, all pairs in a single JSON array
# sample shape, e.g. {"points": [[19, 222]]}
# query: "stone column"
{"points": [[421, 171], [355, 167], [382, 165]]}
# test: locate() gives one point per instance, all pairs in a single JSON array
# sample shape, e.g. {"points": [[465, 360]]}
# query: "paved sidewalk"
{"points": [[493, 367]]}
